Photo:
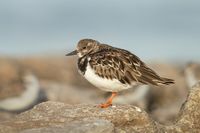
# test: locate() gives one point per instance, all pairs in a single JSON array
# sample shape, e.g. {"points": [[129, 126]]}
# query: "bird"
{"points": [[113, 69], [19, 87]]}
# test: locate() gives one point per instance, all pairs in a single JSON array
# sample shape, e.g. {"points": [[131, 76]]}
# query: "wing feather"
{"points": [[124, 66]]}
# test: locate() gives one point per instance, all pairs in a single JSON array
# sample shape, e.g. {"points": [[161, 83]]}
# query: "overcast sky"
{"points": [[149, 28]]}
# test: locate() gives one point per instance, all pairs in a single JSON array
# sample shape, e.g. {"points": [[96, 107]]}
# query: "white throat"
{"points": [[79, 55]]}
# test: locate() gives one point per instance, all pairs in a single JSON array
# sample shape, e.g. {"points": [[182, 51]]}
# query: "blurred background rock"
{"points": [[35, 35]]}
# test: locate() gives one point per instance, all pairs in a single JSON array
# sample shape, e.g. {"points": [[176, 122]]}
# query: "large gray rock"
{"points": [[189, 115], [83, 118], [79, 126], [57, 117]]}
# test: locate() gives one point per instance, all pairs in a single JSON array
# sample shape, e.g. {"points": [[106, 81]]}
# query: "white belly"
{"points": [[103, 83]]}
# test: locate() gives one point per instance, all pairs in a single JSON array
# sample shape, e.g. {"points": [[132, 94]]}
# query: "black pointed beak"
{"points": [[71, 53]]}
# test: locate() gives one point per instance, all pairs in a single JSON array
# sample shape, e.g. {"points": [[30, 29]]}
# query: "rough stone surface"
{"points": [[188, 120], [189, 117], [81, 126], [51, 114], [59, 117]]}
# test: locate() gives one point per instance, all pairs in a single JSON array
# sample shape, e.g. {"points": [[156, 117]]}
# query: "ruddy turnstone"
{"points": [[113, 69], [19, 88]]}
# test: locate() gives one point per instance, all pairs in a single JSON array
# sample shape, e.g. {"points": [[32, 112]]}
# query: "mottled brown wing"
{"points": [[113, 64], [124, 66], [12, 89]]}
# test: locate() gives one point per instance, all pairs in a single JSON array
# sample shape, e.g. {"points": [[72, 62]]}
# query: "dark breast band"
{"points": [[82, 64]]}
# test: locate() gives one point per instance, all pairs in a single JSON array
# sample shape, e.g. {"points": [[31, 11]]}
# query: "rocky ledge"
{"points": [[54, 117]]}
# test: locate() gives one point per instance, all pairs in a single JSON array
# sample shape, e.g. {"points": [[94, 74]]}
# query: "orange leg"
{"points": [[109, 101]]}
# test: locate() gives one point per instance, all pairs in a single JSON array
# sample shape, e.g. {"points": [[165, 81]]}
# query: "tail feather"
{"points": [[148, 76], [166, 81]]}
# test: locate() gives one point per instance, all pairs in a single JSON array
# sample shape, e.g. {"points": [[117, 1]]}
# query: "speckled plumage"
{"points": [[113, 69], [114, 63]]}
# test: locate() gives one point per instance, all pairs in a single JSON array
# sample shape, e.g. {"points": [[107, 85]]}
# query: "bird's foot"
{"points": [[109, 101], [105, 105]]}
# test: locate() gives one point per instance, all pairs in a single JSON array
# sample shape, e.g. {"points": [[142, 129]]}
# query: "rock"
{"points": [[59, 117], [166, 101], [50, 115], [192, 74], [82, 126], [189, 117]]}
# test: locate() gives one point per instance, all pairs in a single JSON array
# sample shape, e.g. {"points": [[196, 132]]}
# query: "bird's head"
{"points": [[84, 47]]}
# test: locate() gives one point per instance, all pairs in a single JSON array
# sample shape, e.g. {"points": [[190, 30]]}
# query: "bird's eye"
{"points": [[84, 47]]}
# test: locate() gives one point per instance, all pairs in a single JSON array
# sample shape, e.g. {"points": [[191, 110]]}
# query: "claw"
{"points": [[108, 102], [105, 105]]}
